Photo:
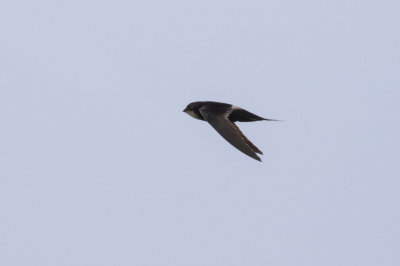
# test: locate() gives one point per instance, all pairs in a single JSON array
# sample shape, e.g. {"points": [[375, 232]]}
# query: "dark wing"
{"points": [[252, 146], [230, 132]]}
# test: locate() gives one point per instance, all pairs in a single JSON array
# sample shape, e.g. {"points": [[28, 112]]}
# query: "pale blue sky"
{"points": [[99, 166]]}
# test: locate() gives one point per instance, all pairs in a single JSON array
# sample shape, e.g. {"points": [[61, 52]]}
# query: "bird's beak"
{"points": [[184, 110]]}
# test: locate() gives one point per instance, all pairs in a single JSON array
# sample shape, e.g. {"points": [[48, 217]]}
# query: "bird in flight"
{"points": [[221, 116]]}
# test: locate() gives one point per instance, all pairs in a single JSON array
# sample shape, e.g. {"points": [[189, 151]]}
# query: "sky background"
{"points": [[99, 166]]}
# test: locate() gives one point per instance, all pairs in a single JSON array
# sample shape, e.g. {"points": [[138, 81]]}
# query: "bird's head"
{"points": [[192, 109]]}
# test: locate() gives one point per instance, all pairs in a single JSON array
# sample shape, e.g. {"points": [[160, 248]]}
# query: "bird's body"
{"points": [[221, 116]]}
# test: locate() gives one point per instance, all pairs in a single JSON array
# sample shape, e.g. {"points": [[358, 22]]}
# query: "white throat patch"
{"points": [[192, 114]]}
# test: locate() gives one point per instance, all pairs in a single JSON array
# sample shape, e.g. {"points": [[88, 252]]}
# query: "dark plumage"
{"points": [[221, 116]]}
